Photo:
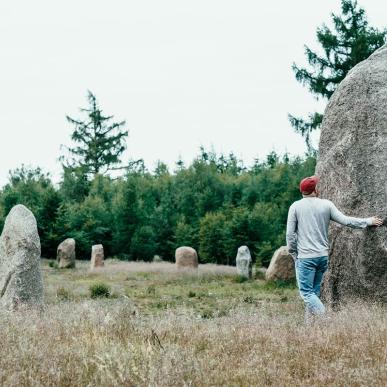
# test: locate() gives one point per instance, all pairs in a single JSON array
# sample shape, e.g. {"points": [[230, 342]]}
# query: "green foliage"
{"points": [[53, 264], [143, 244], [99, 290], [100, 143], [63, 294], [32, 188], [215, 205], [351, 41]]}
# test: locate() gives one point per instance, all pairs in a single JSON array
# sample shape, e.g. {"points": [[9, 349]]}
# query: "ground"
{"points": [[163, 327]]}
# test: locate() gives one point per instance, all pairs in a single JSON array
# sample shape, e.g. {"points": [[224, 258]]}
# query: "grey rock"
{"points": [[352, 165], [244, 262], [186, 258], [20, 276], [157, 258], [281, 266], [97, 256], [65, 254]]}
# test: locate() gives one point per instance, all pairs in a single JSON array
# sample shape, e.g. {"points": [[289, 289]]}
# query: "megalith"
{"points": [[352, 166], [65, 254], [186, 258], [281, 266], [20, 276], [97, 256], [244, 262]]}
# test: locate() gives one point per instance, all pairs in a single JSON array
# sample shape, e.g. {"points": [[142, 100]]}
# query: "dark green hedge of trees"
{"points": [[214, 205]]}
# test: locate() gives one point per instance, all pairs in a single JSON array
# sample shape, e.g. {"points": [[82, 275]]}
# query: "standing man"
{"points": [[307, 240]]}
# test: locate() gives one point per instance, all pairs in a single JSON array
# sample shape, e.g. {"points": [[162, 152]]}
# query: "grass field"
{"points": [[161, 327]]}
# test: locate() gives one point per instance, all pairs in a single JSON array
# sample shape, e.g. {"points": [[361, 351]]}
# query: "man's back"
{"points": [[308, 222]]}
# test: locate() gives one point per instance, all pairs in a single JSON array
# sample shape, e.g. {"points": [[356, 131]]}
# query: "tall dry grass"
{"points": [[109, 343], [114, 266]]}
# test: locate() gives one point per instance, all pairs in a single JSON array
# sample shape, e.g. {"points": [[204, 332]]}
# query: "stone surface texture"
{"points": [[20, 276], [186, 258], [244, 262], [281, 266], [66, 254], [97, 256], [352, 165]]}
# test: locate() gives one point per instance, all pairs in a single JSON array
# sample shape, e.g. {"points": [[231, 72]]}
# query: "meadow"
{"points": [[146, 324]]}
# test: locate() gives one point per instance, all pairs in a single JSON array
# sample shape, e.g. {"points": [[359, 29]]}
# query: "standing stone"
{"points": [[352, 165], [281, 266], [66, 254], [97, 256], [244, 262], [186, 257], [20, 276]]}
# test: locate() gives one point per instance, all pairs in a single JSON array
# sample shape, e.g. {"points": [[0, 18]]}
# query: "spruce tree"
{"points": [[351, 41], [100, 142]]}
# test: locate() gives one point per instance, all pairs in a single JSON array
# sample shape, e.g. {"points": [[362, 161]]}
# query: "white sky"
{"points": [[182, 73]]}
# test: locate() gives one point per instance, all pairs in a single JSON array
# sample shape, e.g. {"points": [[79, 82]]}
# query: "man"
{"points": [[307, 240]]}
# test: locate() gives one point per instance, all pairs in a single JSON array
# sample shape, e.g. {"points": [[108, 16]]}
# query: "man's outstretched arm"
{"points": [[291, 233], [350, 221]]}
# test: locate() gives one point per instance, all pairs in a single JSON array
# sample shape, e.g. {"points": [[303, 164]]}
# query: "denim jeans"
{"points": [[309, 273]]}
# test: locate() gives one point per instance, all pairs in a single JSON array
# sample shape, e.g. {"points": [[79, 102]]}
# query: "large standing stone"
{"points": [[97, 256], [66, 254], [244, 262], [20, 275], [186, 257], [352, 166], [281, 266]]}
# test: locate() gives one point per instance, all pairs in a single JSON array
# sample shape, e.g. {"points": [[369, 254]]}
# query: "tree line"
{"points": [[215, 205]]}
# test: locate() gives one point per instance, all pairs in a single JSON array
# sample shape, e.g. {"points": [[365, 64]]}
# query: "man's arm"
{"points": [[291, 232], [349, 221]]}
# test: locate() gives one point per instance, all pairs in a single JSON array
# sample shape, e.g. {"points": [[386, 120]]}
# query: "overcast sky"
{"points": [[181, 73]]}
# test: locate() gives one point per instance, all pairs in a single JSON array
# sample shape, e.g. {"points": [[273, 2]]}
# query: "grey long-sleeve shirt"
{"points": [[307, 226]]}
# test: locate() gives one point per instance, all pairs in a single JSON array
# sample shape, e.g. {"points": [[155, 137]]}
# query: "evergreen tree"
{"points": [[100, 141], [351, 41]]}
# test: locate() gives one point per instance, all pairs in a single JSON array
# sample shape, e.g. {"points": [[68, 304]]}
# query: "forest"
{"points": [[215, 205]]}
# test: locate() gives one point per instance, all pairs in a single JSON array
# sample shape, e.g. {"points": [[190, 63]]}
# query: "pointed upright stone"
{"points": [[20, 276], [66, 254], [244, 262], [352, 167], [97, 256]]}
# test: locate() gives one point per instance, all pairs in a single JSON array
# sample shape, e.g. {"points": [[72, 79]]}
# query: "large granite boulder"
{"points": [[281, 266], [244, 262], [65, 254], [352, 165], [20, 275], [186, 258], [97, 256]]}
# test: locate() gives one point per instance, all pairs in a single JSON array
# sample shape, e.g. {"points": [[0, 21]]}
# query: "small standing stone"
{"points": [[186, 257], [66, 254], [20, 276], [281, 266], [97, 256], [244, 262]]}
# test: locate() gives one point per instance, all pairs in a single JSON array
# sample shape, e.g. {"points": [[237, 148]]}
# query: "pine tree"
{"points": [[100, 141], [351, 41]]}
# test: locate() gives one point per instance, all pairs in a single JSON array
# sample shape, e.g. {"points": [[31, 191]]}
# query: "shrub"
{"points": [[99, 290], [63, 294], [240, 279], [53, 264]]}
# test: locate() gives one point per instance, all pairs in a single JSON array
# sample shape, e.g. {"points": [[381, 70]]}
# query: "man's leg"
{"points": [[321, 269], [306, 269]]}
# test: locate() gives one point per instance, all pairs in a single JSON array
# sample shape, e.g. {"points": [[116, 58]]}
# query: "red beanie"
{"points": [[308, 185]]}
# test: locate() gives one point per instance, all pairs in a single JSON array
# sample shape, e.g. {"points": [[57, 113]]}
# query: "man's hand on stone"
{"points": [[376, 221]]}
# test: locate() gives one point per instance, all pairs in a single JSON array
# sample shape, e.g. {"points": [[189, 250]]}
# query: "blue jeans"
{"points": [[309, 273]]}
